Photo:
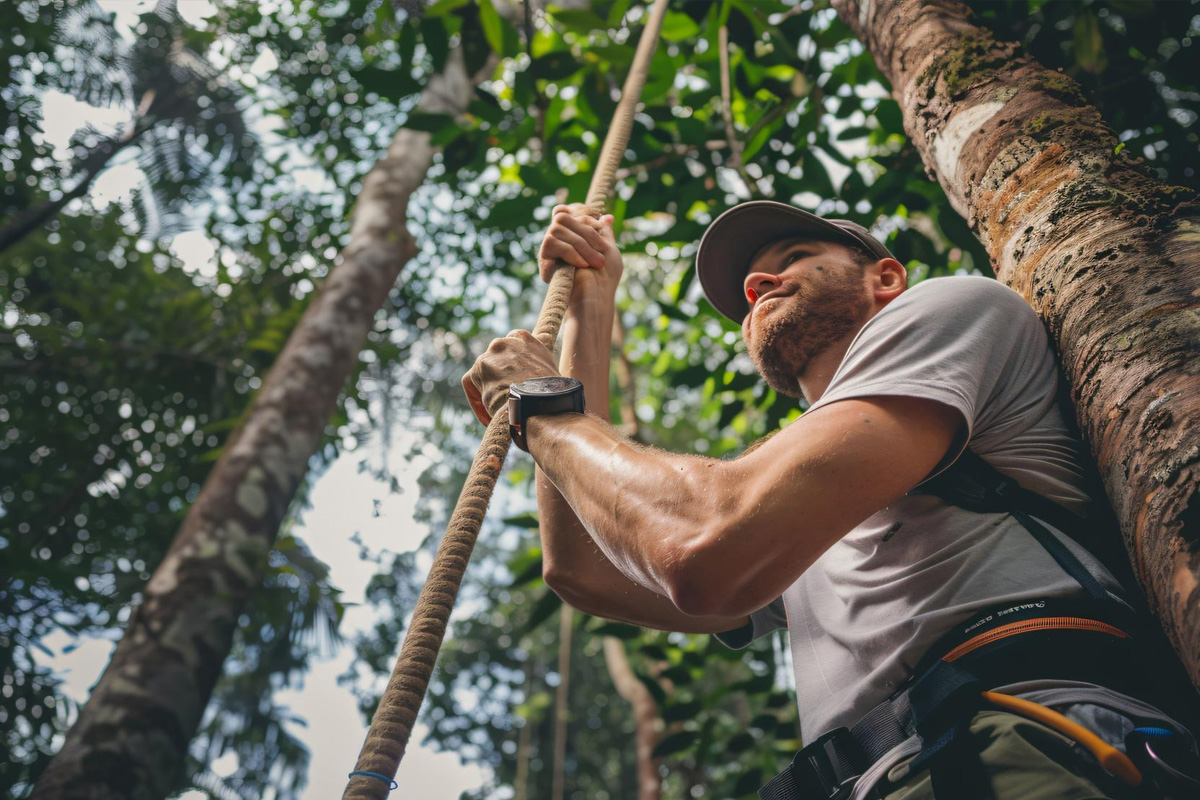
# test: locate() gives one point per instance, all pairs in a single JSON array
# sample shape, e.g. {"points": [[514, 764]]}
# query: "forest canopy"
{"points": [[138, 324]]}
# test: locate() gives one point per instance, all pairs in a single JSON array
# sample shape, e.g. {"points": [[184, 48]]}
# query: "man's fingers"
{"points": [[590, 254], [589, 229], [554, 251], [524, 336], [474, 398]]}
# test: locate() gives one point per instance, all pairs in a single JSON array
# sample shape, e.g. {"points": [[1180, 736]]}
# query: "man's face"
{"points": [[804, 295]]}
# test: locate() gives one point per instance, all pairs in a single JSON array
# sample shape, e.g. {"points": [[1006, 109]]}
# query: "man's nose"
{"points": [[759, 283]]}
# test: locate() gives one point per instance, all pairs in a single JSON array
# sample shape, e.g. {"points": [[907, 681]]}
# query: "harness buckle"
{"points": [[825, 769]]}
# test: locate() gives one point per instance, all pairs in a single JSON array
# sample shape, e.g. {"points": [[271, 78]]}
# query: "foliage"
{"points": [[124, 366]]}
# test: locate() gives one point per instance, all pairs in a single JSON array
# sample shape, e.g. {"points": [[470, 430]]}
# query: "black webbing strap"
{"points": [[974, 484], [826, 769], [940, 704]]}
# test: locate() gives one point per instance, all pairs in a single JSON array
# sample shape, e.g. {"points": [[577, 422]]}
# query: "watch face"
{"points": [[550, 385]]}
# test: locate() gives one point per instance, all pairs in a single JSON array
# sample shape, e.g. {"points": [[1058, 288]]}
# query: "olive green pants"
{"points": [[1025, 760]]}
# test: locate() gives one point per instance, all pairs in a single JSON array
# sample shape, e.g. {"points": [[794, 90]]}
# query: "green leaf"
{"points": [[493, 28], [676, 712], [755, 144], [1089, 44], [443, 8], [437, 41], [527, 520], [854, 132], [740, 743], [543, 609], [617, 630], [676, 27], [675, 743], [391, 85], [654, 651], [748, 782], [430, 123], [554, 66], [577, 19], [765, 722], [652, 686], [527, 568], [679, 675], [889, 115]]}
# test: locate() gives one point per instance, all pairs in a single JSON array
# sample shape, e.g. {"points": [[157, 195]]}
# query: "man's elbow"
{"points": [[704, 581], [558, 580], [570, 589]]}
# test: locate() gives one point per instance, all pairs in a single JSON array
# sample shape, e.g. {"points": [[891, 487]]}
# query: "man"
{"points": [[815, 530]]}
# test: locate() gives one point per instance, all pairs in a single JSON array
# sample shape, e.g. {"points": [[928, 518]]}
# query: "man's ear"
{"points": [[890, 279]]}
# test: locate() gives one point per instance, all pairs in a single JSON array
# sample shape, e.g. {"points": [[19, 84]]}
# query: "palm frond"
{"points": [[97, 70]]}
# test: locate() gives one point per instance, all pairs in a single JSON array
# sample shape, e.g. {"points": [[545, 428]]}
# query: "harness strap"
{"points": [[975, 485], [1040, 639]]}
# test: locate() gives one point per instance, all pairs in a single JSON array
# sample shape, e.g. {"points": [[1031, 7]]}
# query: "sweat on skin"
{"points": [[714, 539], [813, 530]]}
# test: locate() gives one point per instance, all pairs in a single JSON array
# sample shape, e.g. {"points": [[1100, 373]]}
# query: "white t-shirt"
{"points": [[862, 616]]}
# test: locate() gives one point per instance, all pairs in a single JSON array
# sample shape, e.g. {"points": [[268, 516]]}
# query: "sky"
{"points": [[344, 501]]}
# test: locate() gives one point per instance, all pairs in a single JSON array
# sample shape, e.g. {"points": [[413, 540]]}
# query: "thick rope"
{"points": [[393, 722]]}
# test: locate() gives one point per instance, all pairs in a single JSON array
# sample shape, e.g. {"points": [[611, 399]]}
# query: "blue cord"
{"points": [[391, 783], [1151, 731]]}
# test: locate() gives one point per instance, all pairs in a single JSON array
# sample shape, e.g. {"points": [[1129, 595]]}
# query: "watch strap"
{"points": [[522, 406]]}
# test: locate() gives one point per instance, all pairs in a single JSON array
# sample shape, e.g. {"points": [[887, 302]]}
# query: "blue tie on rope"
{"points": [[391, 783]]}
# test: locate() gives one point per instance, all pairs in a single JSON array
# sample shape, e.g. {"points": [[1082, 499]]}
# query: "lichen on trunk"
{"points": [[1107, 255]]}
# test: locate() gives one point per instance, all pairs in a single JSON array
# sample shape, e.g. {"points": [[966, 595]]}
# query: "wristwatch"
{"points": [[552, 395]]}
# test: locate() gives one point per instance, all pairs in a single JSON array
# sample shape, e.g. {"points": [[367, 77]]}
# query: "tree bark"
{"points": [[1104, 253], [646, 721], [130, 740], [645, 717], [562, 709]]}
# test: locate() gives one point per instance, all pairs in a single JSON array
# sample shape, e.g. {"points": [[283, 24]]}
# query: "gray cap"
{"points": [[732, 240]]}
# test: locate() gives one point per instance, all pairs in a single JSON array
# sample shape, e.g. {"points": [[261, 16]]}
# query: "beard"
{"points": [[785, 338]]}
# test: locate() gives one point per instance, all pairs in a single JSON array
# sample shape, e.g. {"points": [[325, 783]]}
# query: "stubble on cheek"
{"points": [[782, 340], [775, 344]]}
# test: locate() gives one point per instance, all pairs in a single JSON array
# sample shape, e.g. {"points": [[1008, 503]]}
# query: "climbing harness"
{"points": [[1086, 640], [393, 721]]}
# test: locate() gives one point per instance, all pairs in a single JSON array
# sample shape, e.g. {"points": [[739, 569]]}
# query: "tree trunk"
{"points": [[1107, 255], [647, 724], [562, 710], [524, 743], [645, 717], [131, 738]]}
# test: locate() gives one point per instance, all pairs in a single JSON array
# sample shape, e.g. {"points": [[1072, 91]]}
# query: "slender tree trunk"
{"points": [[645, 717], [562, 709], [524, 744], [131, 738], [647, 723], [1108, 256]]}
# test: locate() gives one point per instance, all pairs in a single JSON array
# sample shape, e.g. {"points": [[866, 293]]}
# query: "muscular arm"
{"points": [[724, 538], [573, 566]]}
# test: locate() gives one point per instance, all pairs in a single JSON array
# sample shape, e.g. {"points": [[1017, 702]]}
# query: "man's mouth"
{"points": [[772, 295]]}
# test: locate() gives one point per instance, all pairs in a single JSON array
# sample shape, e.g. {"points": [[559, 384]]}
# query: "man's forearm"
{"points": [[645, 509], [575, 567], [566, 546]]}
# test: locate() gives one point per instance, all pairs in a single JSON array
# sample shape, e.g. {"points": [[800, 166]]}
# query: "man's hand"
{"points": [[515, 358], [581, 237]]}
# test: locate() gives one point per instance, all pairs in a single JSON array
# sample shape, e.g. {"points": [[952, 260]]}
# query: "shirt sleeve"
{"points": [[771, 618], [960, 341]]}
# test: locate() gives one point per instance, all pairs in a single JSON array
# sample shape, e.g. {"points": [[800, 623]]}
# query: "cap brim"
{"points": [[732, 240]]}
